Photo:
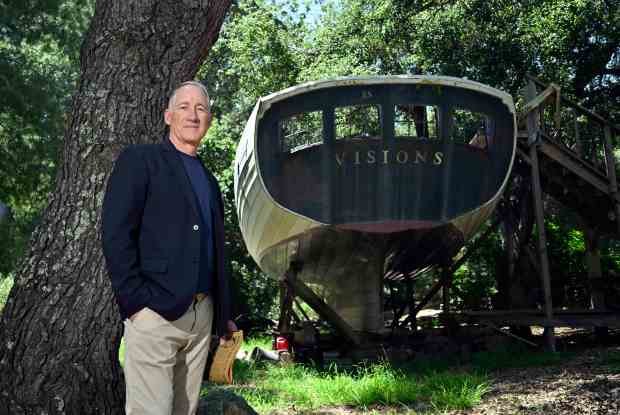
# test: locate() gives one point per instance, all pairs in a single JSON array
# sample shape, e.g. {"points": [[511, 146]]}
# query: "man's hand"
{"points": [[231, 327]]}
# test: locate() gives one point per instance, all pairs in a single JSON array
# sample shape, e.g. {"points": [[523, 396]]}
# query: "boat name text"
{"points": [[386, 157]]}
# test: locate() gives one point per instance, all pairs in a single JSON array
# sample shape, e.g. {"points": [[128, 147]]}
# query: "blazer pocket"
{"points": [[155, 265]]}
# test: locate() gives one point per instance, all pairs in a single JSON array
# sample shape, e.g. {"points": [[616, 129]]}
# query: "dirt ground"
{"points": [[587, 384]]}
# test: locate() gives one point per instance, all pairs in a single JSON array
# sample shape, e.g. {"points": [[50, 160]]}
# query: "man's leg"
{"points": [[151, 345], [192, 359]]}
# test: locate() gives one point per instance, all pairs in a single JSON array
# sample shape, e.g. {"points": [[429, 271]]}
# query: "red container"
{"points": [[281, 344]]}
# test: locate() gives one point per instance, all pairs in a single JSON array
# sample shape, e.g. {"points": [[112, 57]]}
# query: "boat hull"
{"points": [[421, 197]]}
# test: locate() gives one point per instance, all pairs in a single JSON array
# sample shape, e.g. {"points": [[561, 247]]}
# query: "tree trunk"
{"points": [[60, 330]]}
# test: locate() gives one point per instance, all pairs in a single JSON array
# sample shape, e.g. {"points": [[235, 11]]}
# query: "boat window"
{"points": [[301, 131], [472, 128], [358, 121], [416, 121]]}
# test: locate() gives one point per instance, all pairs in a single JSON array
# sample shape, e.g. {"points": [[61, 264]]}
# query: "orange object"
{"points": [[222, 367]]}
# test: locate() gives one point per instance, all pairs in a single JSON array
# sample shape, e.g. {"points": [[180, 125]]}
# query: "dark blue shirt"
{"points": [[202, 190]]}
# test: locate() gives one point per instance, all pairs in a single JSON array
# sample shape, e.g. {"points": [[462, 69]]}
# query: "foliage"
{"points": [[567, 243], [574, 43], [474, 282], [39, 43]]}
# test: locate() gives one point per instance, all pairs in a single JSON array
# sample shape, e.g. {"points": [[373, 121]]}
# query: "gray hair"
{"points": [[198, 85]]}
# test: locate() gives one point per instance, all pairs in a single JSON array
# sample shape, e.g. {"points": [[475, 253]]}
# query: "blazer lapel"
{"points": [[176, 166]]}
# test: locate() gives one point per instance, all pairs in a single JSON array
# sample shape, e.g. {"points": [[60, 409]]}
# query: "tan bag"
{"points": [[222, 366]]}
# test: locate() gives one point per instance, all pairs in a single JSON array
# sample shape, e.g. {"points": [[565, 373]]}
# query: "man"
{"points": [[163, 240]]}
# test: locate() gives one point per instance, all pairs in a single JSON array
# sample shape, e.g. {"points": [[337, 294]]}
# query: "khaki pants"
{"points": [[165, 360]]}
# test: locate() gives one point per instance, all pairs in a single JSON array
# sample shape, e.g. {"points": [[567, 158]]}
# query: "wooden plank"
{"points": [[537, 312], [578, 143], [286, 306], [569, 154], [557, 155], [566, 320], [539, 100], [429, 295], [593, 261], [445, 291], [524, 156], [610, 164], [305, 293], [508, 333], [558, 101], [533, 128]]}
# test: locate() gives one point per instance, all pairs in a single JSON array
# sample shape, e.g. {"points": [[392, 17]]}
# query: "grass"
{"points": [[436, 385], [121, 352], [270, 387], [5, 287], [264, 342]]}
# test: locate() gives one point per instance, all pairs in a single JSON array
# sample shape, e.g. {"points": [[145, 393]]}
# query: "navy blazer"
{"points": [[151, 235]]}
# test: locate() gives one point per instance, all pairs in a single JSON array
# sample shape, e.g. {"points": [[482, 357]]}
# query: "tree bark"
{"points": [[60, 330]]}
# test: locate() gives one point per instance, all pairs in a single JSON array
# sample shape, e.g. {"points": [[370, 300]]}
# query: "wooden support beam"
{"points": [[537, 312], [564, 319], [445, 291], [610, 165], [286, 307], [523, 156], [557, 115], [533, 125], [411, 303], [399, 309], [595, 274], [578, 143], [539, 100], [301, 310], [323, 310], [508, 333], [429, 295]]}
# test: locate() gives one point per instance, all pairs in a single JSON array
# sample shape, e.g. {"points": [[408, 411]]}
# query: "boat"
{"points": [[361, 179]]}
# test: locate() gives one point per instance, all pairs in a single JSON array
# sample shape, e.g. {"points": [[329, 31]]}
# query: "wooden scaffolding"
{"points": [[577, 168]]}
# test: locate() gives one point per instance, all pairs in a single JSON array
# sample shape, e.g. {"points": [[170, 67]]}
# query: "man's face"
{"points": [[189, 118]]}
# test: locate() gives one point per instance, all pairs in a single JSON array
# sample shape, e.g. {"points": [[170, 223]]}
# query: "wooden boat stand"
{"points": [[561, 165], [291, 287]]}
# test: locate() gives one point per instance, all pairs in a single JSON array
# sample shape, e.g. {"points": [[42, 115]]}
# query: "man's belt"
{"points": [[199, 297]]}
